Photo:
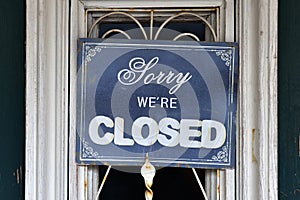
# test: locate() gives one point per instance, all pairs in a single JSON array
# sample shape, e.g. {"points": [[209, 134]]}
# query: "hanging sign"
{"points": [[175, 101]]}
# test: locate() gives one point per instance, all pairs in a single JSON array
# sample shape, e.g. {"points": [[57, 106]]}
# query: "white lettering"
{"points": [[168, 132], [167, 126], [119, 133], [220, 132], [142, 101], [152, 102], [139, 69], [136, 65], [164, 102], [186, 133], [137, 127], [93, 130], [173, 103]]}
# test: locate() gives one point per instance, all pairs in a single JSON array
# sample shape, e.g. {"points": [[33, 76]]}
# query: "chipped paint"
{"points": [[19, 175], [253, 142], [85, 184]]}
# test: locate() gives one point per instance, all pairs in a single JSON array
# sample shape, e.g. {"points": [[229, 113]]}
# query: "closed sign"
{"points": [[175, 101]]}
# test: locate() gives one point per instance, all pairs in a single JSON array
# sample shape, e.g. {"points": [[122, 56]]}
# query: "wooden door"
{"points": [[289, 99], [12, 101]]}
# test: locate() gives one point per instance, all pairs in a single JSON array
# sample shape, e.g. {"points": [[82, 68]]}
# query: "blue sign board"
{"points": [[174, 100]]}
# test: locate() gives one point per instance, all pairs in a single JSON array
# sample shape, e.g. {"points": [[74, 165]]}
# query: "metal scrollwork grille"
{"points": [[151, 23]]}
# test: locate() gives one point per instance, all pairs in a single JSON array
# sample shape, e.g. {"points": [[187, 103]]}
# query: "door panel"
{"points": [[289, 99], [12, 101]]}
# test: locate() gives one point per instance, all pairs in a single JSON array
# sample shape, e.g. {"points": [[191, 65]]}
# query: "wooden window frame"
{"points": [[51, 39]]}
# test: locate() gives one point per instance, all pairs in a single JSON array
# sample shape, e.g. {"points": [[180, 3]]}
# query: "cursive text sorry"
{"points": [[139, 71]]}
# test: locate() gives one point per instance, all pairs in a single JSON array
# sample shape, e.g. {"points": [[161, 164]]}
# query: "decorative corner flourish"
{"points": [[225, 55], [91, 52], [222, 156], [87, 151]]}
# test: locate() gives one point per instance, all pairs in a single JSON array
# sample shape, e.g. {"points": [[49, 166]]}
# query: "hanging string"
{"points": [[199, 183], [103, 181]]}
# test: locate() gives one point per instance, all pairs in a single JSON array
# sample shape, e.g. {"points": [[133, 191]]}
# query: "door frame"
{"points": [[48, 93]]}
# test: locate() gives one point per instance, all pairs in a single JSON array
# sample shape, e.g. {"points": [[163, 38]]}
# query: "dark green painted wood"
{"points": [[289, 99], [12, 98]]}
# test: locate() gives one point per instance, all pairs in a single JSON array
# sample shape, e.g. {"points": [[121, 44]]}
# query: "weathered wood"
{"points": [[257, 160], [47, 99]]}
